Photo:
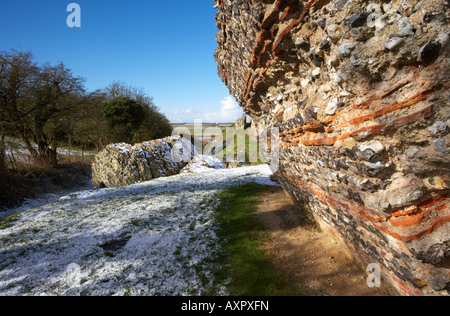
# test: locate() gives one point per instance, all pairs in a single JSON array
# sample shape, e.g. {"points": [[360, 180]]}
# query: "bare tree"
{"points": [[51, 95], [18, 71], [35, 99], [119, 89]]}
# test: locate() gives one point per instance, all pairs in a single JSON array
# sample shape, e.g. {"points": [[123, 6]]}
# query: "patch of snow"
{"points": [[47, 199], [152, 238], [202, 163], [17, 151]]}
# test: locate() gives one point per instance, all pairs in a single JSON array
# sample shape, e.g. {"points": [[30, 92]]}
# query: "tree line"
{"points": [[46, 106]]}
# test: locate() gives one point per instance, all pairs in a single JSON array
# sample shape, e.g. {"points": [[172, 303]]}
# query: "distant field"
{"points": [[205, 127], [245, 146]]}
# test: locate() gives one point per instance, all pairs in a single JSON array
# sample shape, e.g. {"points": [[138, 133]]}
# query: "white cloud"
{"points": [[229, 104], [229, 112]]}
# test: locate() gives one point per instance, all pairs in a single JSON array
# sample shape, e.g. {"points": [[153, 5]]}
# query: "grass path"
{"points": [[249, 271]]}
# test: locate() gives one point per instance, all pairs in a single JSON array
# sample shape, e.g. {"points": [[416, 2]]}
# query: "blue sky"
{"points": [[165, 47]]}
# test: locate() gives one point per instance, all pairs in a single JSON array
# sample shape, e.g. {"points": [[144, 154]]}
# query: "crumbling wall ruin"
{"points": [[124, 164], [360, 93]]}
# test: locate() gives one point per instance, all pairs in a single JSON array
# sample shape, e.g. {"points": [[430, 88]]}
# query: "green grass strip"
{"points": [[8, 221], [248, 271]]}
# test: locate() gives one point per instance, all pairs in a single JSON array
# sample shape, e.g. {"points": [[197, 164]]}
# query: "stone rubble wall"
{"points": [[123, 164], [360, 93], [241, 123]]}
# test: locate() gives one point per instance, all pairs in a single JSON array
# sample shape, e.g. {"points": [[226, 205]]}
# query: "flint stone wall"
{"points": [[123, 164], [360, 93]]}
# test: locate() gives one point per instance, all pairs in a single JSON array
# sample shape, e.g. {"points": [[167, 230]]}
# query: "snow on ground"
{"points": [[18, 152], [201, 163], [45, 198], [153, 238]]}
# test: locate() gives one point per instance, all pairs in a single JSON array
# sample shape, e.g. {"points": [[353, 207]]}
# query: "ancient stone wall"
{"points": [[360, 92], [123, 164]]}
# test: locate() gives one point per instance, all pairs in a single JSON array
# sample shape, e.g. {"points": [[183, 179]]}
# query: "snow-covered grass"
{"points": [[153, 238], [16, 151]]}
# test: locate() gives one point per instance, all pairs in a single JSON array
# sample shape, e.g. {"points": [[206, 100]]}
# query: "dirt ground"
{"points": [[312, 258]]}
